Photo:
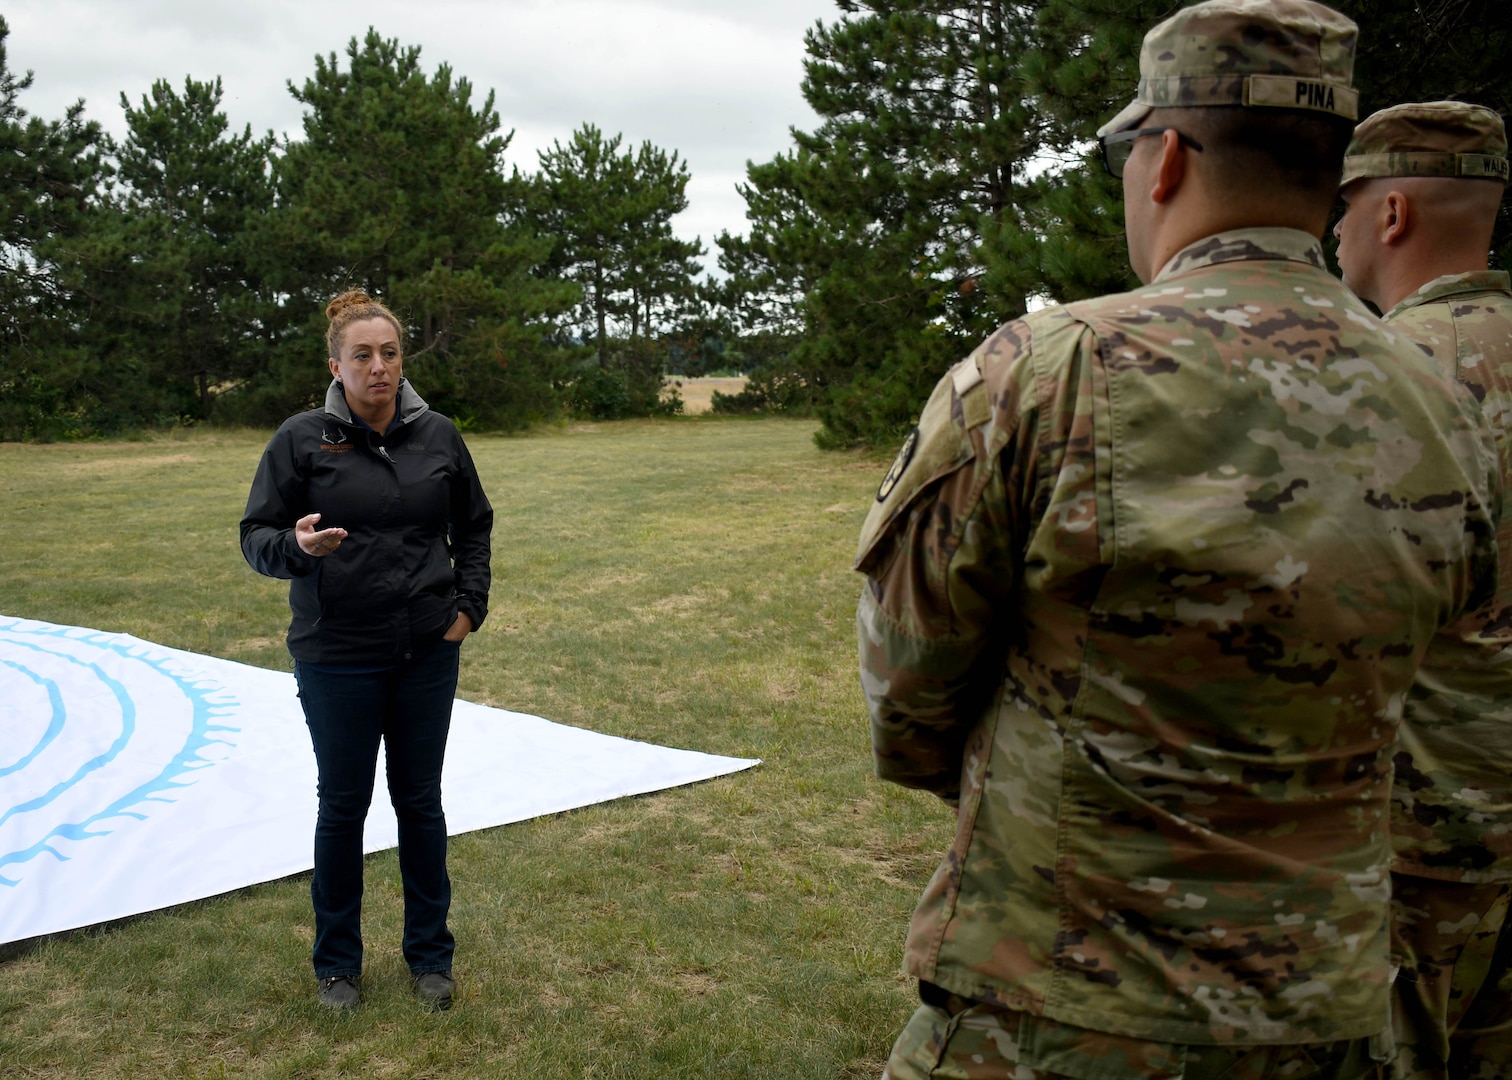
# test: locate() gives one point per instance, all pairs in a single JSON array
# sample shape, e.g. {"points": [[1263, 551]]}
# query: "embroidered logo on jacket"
{"points": [[334, 443]]}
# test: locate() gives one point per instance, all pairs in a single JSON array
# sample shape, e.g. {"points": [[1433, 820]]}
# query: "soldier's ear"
{"points": [[1394, 219], [335, 366], [1170, 170]]}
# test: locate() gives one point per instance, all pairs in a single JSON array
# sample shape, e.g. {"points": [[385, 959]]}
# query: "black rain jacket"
{"points": [[418, 531]]}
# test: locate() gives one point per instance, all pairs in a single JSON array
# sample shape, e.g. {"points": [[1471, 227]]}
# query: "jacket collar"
{"points": [[1450, 285], [410, 403], [1291, 245]]}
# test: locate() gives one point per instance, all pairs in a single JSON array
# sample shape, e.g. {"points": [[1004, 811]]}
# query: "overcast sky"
{"points": [[715, 80]]}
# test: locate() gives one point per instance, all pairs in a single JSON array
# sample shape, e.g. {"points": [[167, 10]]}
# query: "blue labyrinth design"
{"points": [[94, 729]]}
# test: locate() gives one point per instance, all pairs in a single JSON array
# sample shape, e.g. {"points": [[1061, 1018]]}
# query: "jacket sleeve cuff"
{"points": [[299, 564], [473, 608]]}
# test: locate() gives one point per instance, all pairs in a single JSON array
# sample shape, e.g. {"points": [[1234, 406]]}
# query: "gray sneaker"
{"points": [[340, 992], [435, 988]]}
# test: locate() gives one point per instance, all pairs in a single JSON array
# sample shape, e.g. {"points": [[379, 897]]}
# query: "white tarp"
{"points": [[134, 776]]}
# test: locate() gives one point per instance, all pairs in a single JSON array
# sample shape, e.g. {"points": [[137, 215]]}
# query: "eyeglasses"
{"points": [[1117, 147]]}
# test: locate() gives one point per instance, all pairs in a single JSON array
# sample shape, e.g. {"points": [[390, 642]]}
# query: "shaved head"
{"points": [[1463, 211], [1401, 232]]}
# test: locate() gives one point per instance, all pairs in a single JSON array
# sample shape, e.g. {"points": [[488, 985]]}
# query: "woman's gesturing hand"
{"points": [[320, 543]]}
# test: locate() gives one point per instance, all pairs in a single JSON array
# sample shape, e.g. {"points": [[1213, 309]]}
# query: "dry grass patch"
{"points": [[698, 394]]}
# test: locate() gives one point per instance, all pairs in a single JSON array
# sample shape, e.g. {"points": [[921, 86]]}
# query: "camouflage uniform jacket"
{"points": [[1452, 797], [1146, 591]]}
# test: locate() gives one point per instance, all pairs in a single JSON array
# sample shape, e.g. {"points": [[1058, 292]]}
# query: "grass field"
{"points": [[685, 582]]}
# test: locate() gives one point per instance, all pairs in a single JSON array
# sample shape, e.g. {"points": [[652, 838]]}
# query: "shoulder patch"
{"points": [[936, 446], [942, 441], [899, 466]]}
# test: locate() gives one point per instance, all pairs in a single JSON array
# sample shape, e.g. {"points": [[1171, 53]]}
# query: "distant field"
{"points": [[698, 394], [684, 583]]}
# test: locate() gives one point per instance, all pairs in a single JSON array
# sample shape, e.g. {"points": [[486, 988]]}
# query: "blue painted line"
{"points": [[210, 701], [54, 723], [99, 761]]}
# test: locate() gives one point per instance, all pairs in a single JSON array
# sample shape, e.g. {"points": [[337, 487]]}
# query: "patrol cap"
{"points": [[1429, 138], [1287, 54]]}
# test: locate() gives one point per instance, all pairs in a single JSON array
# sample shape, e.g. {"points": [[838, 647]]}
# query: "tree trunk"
{"points": [[598, 311]]}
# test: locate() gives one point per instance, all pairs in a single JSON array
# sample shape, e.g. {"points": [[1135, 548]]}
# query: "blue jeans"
{"points": [[409, 708]]}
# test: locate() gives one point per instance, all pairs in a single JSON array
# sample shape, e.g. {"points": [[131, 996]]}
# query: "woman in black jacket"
{"points": [[382, 598]]}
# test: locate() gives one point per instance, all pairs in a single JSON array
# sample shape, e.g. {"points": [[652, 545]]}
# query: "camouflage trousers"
{"points": [[1452, 998], [956, 1039]]}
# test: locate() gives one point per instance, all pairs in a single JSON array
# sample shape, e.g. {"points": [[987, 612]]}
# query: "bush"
{"points": [[632, 384], [769, 391], [670, 401], [598, 394]]}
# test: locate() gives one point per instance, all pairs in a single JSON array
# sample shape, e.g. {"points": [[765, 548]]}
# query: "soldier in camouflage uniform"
{"points": [[1146, 591], [1422, 185]]}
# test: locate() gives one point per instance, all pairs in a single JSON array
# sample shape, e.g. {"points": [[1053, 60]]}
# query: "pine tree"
{"points": [[611, 213], [51, 173], [581, 198], [167, 264], [887, 220], [398, 188], [1082, 67], [660, 268]]}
